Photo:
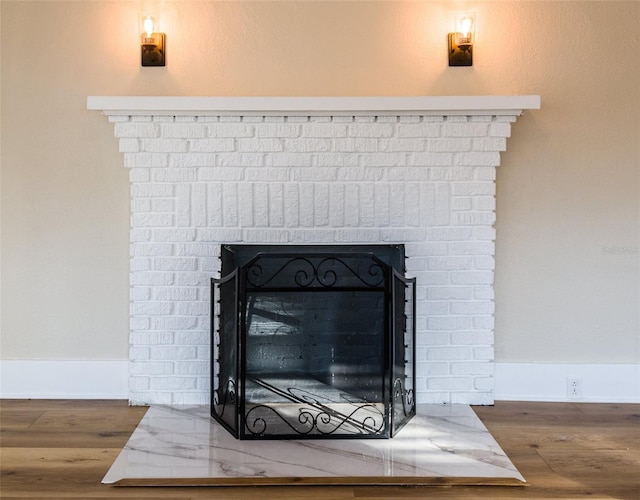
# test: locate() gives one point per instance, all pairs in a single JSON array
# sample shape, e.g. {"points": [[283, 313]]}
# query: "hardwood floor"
{"points": [[62, 449]]}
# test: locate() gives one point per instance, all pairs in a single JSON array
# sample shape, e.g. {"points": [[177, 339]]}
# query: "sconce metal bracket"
{"points": [[459, 55], [154, 54]]}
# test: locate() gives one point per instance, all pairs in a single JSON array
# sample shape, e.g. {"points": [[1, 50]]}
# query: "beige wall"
{"points": [[568, 186]]}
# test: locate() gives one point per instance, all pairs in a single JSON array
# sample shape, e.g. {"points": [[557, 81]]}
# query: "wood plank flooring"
{"points": [[62, 449]]}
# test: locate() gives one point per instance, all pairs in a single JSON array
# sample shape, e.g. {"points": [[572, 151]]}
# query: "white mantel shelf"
{"points": [[335, 106]]}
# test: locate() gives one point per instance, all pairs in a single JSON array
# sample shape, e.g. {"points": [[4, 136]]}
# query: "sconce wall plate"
{"points": [[153, 53], [459, 54]]}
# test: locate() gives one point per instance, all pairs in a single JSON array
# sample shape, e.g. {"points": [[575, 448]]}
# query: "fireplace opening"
{"points": [[312, 341]]}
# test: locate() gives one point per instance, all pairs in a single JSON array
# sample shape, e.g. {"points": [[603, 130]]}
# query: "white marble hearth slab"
{"points": [[184, 446]]}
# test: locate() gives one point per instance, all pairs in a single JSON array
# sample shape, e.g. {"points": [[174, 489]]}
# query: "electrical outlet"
{"points": [[574, 388]]}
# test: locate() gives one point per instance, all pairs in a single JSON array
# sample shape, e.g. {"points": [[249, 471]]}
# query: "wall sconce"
{"points": [[461, 41], [152, 42]]}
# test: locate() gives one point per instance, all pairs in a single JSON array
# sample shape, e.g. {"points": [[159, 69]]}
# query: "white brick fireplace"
{"points": [[205, 171]]}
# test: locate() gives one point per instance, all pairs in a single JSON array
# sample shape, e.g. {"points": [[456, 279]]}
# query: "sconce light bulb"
{"points": [[465, 25], [148, 25]]}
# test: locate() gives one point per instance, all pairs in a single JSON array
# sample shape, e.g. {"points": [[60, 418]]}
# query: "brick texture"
{"points": [[198, 182]]}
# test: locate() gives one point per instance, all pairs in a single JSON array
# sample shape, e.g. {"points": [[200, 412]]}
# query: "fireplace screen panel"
{"points": [[320, 334]]}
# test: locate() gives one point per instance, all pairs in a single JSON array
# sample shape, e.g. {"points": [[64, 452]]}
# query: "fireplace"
{"points": [[313, 341], [212, 171]]}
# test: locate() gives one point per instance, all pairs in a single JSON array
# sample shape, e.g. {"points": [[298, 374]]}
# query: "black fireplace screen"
{"points": [[313, 341]]}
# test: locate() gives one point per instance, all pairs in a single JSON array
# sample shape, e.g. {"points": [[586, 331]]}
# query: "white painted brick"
{"points": [[184, 130], [140, 293], [473, 307], [449, 234], [355, 145], [139, 324], [162, 205], [450, 263], [449, 292], [449, 145], [307, 145], [266, 236], [176, 264], [335, 160], [321, 205], [406, 174], [328, 130], [191, 160], [173, 383], [484, 262], [396, 206], [500, 129], [199, 205], [382, 159], [128, 145], [151, 190], [152, 278], [484, 293], [484, 234], [138, 235], [472, 277], [490, 144], [152, 220], [449, 323], [212, 145], [185, 119], [484, 353], [175, 293], [139, 353], [270, 174], [472, 398], [192, 368], [118, 118], [151, 338], [450, 383], [151, 368], [425, 130], [174, 323], [260, 205], [474, 218], [192, 308], [139, 383], [232, 130], [472, 248], [484, 323], [337, 205], [173, 175], [367, 204], [277, 130], [484, 203], [487, 159], [175, 235], [402, 235], [261, 145], [225, 235], [240, 160], [472, 338], [357, 235], [230, 204], [136, 130], [229, 174], [381, 205], [479, 188], [352, 205], [311, 236], [327, 174], [464, 129], [291, 205], [140, 264], [371, 130], [290, 159], [164, 145], [483, 383], [350, 174], [306, 204], [275, 204]]}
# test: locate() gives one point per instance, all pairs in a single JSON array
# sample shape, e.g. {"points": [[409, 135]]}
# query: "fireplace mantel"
{"points": [[317, 106]]}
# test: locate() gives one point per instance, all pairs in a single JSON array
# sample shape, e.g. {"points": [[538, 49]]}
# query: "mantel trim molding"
{"points": [[333, 106]]}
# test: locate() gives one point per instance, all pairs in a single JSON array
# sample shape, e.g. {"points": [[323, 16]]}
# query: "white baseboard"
{"points": [[64, 379], [108, 379], [599, 383]]}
